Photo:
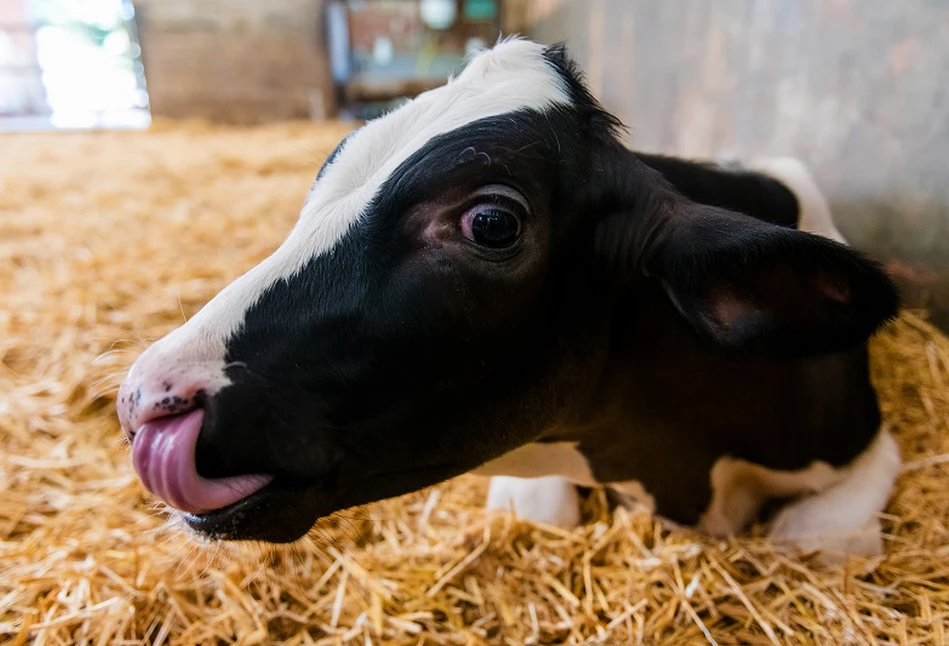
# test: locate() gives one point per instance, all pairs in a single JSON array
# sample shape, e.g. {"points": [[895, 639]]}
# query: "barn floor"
{"points": [[109, 240]]}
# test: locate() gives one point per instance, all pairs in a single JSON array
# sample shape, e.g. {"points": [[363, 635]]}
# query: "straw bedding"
{"points": [[110, 240]]}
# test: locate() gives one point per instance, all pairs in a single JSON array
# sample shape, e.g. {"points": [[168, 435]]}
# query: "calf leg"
{"points": [[843, 519], [537, 482], [551, 500], [740, 488]]}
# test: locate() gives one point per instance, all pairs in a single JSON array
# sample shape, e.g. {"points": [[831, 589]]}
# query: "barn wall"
{"points": [[238, 61], [860, 90], [21, 88]]}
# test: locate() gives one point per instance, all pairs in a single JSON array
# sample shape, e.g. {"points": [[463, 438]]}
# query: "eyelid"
{"points": [[503, 191]]}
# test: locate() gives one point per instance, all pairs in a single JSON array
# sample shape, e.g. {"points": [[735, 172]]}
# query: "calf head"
{"points": [[446, 297]]}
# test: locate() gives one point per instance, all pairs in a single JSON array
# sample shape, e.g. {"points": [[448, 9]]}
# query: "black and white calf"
{"points": [[486, 279]]}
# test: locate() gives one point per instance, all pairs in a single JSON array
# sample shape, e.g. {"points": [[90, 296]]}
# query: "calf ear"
{"points": [[757, 288]]}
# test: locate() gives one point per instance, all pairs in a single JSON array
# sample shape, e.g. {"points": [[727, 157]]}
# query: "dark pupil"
{"points": [[494, 228]]}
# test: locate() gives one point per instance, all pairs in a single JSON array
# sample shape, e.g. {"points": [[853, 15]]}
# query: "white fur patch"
{"points": [[739, 488], [842, 519], [814, 212], [513, 75], [837, 510], [538, 481], [551, 500]]}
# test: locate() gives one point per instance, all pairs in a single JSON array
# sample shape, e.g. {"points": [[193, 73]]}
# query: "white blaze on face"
{"points": [[512, 76]]}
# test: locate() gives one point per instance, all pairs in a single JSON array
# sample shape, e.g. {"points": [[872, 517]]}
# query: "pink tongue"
{"points": [[163, 453]]}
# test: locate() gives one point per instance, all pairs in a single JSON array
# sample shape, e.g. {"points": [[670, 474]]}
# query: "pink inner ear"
{"points": [[730, 310], [833, 289], [730, 315]]}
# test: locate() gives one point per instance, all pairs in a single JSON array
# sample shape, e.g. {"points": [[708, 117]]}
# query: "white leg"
{"points": [[740, 488], [736, 498], [550, 500], [842, 519]]}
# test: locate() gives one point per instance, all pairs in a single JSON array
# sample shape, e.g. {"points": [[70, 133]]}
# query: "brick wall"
{"points": [[236, 61]]}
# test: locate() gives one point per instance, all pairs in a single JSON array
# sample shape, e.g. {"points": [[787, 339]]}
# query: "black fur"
{"points": [[759, 196]]}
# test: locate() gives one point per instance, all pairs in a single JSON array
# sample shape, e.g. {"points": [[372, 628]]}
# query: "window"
{"points": [[70, 64]]}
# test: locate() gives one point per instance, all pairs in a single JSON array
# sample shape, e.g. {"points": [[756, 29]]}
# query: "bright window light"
{"points": [[89, 63]]}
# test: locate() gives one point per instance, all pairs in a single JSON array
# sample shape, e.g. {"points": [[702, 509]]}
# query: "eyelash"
{"points": [[494, 199]]}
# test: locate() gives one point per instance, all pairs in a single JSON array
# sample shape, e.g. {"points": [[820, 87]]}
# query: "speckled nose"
{"points": [[166, 380], [143, 400]]}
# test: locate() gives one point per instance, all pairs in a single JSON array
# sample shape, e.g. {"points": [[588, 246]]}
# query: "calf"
{"points": [[486, 279]]}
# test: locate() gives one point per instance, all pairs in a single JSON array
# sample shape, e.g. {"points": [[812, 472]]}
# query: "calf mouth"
{"points": [[275, 508], [252, 506]]}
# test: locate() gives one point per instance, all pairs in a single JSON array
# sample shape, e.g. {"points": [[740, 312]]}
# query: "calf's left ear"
{"points": [[753, 287]]}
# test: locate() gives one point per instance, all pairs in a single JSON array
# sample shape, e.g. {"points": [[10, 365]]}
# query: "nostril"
{"points": [[168, 406], [150, 407], [174, 404], [157, 416]]}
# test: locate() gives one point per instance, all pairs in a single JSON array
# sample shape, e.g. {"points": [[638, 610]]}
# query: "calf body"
{"points": [[486, 279], [705, 438]]}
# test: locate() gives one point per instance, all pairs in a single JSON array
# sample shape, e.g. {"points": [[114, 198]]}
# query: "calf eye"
{"points": [[494, 227], [494, 222]]}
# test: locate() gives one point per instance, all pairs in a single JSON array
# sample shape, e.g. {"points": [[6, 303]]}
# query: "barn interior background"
{"points": [[134, 132]]}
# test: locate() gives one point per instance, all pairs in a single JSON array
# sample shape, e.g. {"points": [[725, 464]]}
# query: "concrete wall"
{"points": [[21, 89], [859, 89], [238, 61]]}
